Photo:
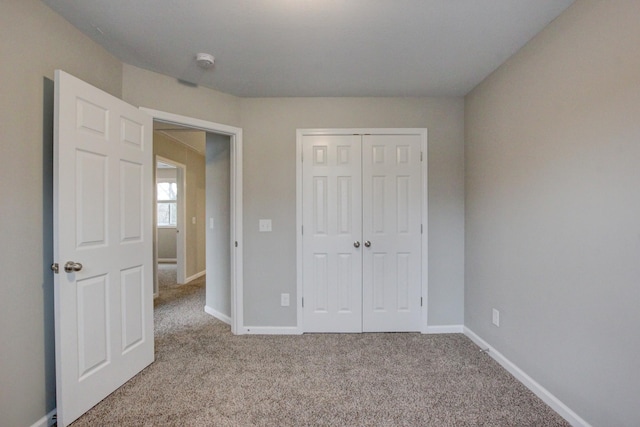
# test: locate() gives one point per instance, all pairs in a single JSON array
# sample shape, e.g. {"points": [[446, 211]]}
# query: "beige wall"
{"points": [[34, 41], [194, 198], [553, 210], [152, 90], [269, 130]]}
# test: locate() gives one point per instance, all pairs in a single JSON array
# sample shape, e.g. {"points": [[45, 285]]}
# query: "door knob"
{"points": [[71, 266], [356, 244], [367, 243]]}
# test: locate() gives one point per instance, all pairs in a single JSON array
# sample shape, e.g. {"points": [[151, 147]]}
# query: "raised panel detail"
{"points": [[378, 154], [402, 281], [344, 204], [378, 265], [93, 326], [345, 277], [321, 282], [320, 155], [132, 295], [131, 201], [344, 155], [320, 208], [131, 133], [92, 118], [378, 204], [91, 203], [402, 204], [402, 154]]}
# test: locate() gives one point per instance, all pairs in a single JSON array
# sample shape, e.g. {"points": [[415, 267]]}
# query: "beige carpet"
{"points": [[205, 376]]}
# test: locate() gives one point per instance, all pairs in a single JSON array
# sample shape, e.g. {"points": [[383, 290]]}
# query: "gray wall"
{"points": [[194, 198], [269, 131], [553, 210], [218, 202], [167, 243], [34, 41]]}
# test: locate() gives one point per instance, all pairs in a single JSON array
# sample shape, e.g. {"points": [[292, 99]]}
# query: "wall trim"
{"points": [[556, 404], [195, 276], [271, 330], [46, 421], [444, 329], [218, 315]]}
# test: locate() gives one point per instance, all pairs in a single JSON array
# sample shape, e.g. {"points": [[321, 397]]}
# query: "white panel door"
{"points": [[332, 212], [102, 230], [392, 211]]}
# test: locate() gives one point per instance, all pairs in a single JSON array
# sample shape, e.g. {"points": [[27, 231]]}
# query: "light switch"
{"points": [[211, 223], [193, 220], [264, 225]]}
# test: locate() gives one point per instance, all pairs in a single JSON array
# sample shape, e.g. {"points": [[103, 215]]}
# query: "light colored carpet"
{"points": [[205, 376]]}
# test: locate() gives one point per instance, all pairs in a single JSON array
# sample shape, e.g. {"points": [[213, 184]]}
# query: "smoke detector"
{"points": [[205, 60]]}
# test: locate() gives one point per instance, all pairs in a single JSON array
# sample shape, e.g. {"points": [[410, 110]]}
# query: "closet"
{"points": [[361, 207]]}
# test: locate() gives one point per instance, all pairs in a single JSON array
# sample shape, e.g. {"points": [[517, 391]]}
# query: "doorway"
{"points": [[169, 218], [233, 136]]}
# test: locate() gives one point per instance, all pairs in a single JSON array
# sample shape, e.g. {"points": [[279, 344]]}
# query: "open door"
{"points": [[103, 235]]}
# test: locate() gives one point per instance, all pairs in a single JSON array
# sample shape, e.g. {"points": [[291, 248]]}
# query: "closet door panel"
{"points": [[332, 222], [392, 203]]}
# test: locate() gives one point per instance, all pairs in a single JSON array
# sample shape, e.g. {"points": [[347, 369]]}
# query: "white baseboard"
{"points": [[215, 313], [195, 276], [267, 330], [444, 329], [167, 260], [544, 394], [45, 421]]}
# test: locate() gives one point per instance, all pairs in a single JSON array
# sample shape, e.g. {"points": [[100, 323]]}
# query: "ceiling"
{"points": [[268, 48]]}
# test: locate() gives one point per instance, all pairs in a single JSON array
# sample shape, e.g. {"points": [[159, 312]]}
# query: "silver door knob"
{"points": [[71, 266], [356, 244], [367, 243]]}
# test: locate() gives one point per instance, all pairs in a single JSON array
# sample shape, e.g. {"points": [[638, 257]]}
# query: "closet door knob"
{"points": [[367, 244], [356, 244]]}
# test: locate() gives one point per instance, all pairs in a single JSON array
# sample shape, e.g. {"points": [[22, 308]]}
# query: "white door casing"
{"points": [[332, 264], [392, 210], [102, 220], [392, 253]]}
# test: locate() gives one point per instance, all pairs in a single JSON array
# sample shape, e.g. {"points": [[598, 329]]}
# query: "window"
{"points": [[167, 204]]}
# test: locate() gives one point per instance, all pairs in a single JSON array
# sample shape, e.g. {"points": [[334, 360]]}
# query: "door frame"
{"points": [[181, 244], [236, 261], [422, 132]]}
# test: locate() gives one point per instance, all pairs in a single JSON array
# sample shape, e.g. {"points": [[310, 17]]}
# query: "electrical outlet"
{"points": [[496, 317], [193, 220], [264, 225], [211, 223], [284, 300]]}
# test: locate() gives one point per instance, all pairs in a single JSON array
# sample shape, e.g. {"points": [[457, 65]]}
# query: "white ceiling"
{"points": [[267, 48]]}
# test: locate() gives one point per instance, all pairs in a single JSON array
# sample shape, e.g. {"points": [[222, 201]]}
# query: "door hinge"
{"points": [[236, 243], [421, 156], [420, 301], [55, 267], [302, 230], [421, 229], [303, 302]]}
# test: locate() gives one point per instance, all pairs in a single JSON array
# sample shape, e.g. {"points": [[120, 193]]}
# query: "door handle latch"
{"points": [[71, 266]]}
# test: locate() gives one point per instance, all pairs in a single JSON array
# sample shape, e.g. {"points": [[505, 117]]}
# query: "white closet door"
{"points": [[392, 203], [332, 212]]}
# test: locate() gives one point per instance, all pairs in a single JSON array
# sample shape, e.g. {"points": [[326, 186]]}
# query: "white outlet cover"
{"points": [[284, 300], [264, 225], [496, 317]]}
